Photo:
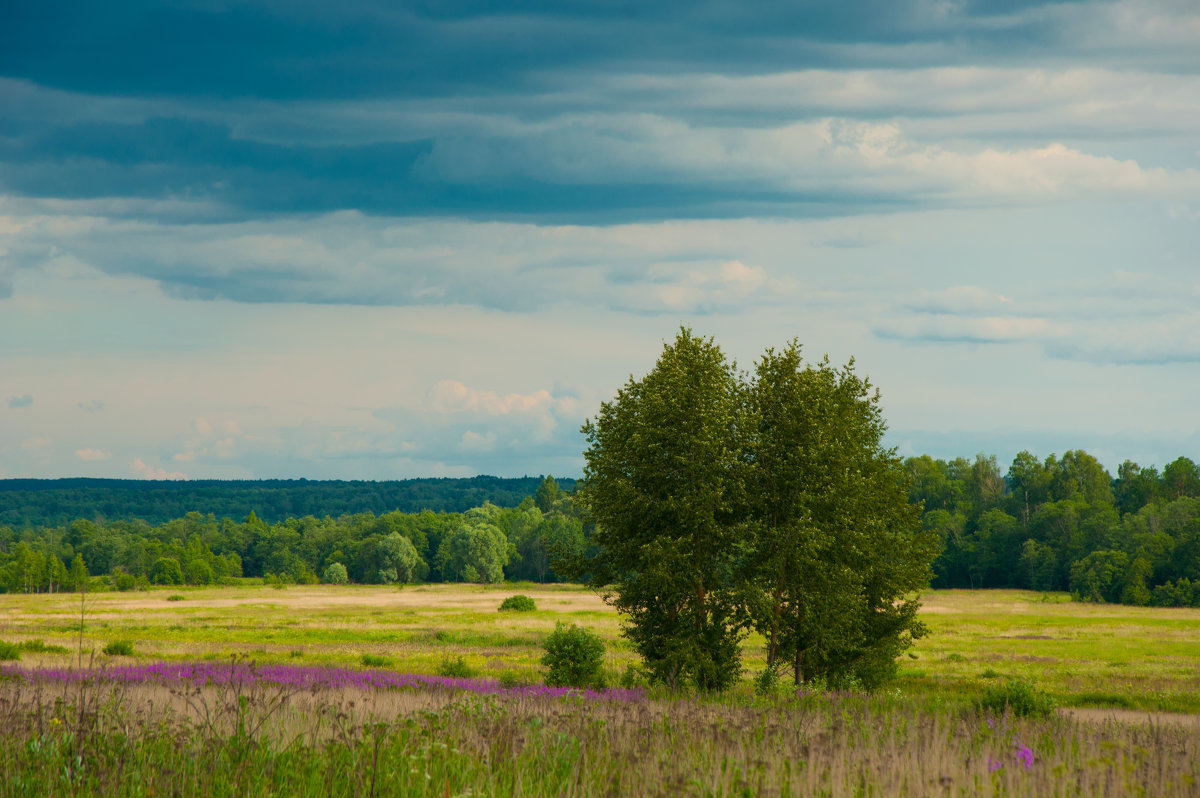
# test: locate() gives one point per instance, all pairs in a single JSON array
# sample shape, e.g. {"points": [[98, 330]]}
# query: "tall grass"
{"points": [[258, 737]]}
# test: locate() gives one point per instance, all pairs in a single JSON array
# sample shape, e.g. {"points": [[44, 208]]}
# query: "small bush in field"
{"points": [[509, 679], [1019, 697], [574, 657], [518, 603], [176, 597], [375, 661], [38, 646], [456, 668], [633, 677], [119, 648], [9, 651], [336, 574]]}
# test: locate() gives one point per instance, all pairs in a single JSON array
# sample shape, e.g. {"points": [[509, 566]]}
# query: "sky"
{"points": [[380, 240]]}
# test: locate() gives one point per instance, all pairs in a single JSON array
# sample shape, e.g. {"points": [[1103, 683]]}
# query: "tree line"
{"points": [[56, 502], [487, 543], [1064, 523]]}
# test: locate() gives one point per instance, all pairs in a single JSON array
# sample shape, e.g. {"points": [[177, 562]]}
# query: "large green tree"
{"points": [[661, 479], [838, 551], [724, 501]]}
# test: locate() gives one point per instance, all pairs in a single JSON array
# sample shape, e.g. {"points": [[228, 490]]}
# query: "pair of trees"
{"points": [[727, 502]]}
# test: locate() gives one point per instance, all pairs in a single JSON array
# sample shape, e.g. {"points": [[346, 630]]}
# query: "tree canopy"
{"points": [[726, 503]]}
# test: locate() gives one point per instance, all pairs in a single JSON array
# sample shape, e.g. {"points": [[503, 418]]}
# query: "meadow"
{"points": [[313, 701]]}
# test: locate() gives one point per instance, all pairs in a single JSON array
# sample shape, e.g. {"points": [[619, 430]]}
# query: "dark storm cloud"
{"points": [[184, 158], [366, 49]]}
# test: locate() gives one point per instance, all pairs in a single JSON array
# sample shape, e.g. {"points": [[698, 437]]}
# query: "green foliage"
{"points": [[119, 648], [456, 668], [518, 603], [335, 574], [176, 597], [1097, 577], [837, 549], [1018, 697], [35, 502], [723, 503], [38, 646], [123, 580], [166, 571], [397, 560], [9, 651], [375, 661], [574, 657], [767, 683], [661, 479], [476, 551]]}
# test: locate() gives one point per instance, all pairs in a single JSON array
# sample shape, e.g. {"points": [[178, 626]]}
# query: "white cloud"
{"points": [[149, 472], [90, 455]]}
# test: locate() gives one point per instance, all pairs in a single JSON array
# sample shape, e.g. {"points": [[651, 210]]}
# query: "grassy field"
{"points": [[1126, 676], [1086, 655]]}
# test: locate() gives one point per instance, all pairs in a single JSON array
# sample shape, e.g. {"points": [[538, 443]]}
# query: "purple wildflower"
{"points": [[1025, 756], [304, 677], [994, 765]]}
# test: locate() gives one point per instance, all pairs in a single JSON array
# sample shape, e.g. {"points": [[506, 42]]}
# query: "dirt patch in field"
{"points": [[1131, 716]]}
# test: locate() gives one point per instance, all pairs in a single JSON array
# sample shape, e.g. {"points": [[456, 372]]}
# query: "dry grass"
{"points": [[1134, 658]]}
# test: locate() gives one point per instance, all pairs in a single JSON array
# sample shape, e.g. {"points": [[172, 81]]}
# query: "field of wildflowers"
{"points": [[189, 713], [240, 729]]}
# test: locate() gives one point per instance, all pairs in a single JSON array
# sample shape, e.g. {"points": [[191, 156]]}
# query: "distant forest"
{"points": [[1059, 523], [55, 502]]}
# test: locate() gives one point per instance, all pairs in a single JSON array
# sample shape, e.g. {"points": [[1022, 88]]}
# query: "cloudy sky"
{"points": [[376, 240]]}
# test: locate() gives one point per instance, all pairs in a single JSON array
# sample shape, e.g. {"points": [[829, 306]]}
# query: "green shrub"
{"points": [[510, 679], [518, 603], [119, 648], [766, 684], [456, 668], [574, 657], [123, 580], [9, 651], [633, 677], [38, 647], [176, 597], [1019, 697], [373, 660], [335, 574]]}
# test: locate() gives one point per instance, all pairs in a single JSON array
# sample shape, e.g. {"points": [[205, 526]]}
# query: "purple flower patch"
{"points": [[304, 677]]}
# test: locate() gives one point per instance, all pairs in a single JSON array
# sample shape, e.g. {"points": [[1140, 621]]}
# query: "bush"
{"points": [[9, 651], [36, 646], [335, 574], [166, 571], [456, 668], [1019, 697], [372, 660], [123, 580], [119, 648], [518, 603], [767, 683], [574, 657], [176, 597]]}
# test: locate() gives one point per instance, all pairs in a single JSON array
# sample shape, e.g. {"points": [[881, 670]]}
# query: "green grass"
{"points": [[1082, 655]]}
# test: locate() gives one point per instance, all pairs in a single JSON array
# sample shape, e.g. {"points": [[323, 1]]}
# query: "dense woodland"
{"points": [[487, 543], [57, 502], [1062, 523]]}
